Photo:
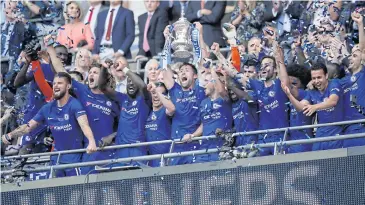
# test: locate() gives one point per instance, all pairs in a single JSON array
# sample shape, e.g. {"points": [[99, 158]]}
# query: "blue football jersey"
{"points": [[100, 110], [132, 120], [272, 103], [354, 85], [245, 116], [300, 119], [186, 118], [215, 114], [64, 127], [333, 114], [158, 127]]}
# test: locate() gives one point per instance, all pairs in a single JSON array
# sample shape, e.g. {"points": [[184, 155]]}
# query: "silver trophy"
{"points": [[180, 36]]}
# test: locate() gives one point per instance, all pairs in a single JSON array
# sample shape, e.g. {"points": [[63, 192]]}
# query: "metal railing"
{"points": [[198, 152], [187, 153]]}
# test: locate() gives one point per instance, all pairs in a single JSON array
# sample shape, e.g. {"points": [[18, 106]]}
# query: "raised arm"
{"points": [[84, 125], [283, 74], [103, 83], [137, 81], [218, 85], [242, 94], [34, 8], [165, 100], [168, 78], [168, 75], [56, 63], [203, 45], [358, 18], [227, 65], [22, 78]]}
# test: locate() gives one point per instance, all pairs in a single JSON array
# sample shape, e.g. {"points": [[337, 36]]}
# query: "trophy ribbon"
{"points": [[166, 52], [196, 44]]}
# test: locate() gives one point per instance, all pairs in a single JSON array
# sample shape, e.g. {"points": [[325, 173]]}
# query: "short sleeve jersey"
{"points": [[215, 114], [245, 116], [299, 119], [272, 103], [158, 127], [333, 114], [100, 110], [132, 120], [186, 118], [64, 127], [354, 85]]}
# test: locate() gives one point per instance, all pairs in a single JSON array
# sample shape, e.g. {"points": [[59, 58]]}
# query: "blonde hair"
{"points": [[81, 13], [79, 53], [148, 64]]}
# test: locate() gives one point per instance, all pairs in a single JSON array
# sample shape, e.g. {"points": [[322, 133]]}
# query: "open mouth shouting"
{"points": [[56, 91], [91, 80]]}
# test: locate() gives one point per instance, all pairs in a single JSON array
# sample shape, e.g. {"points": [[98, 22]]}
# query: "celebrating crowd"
{"points": [[290, 63]]}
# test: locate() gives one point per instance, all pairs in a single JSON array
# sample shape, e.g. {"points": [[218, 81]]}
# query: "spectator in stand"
{"points": [[68, 123], [248, 18], [158, 125], [114, 32], [119, 76], [83, 62], [14, 33], [299, 77], [209, 14], [324, 9], [327, 100], [152, 70], [92, 14], [151, 26], [53, 12], [74, 30], [230, 6], [253, 50], [31, 9], [62, 54], [175, 10], [135, 107]]}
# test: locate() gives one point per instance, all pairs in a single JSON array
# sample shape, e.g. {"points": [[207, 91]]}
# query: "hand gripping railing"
{"points": [[181, 154]]}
